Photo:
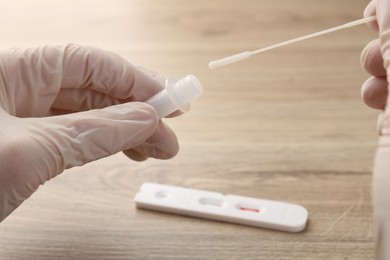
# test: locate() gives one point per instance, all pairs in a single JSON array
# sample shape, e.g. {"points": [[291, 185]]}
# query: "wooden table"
{"points": [[286, 125]]}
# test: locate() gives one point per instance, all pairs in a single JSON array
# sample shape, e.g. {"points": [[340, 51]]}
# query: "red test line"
{"points": [[249, 209]]}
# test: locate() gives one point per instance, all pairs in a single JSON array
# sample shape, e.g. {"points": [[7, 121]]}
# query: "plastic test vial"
{"points": [[177, 95]]}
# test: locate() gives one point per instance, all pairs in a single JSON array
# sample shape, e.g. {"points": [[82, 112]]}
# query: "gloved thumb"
{"points": [[78, 138]]}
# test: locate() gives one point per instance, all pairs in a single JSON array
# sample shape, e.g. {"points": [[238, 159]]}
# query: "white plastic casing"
{"points": [[177, 95], [230, 208]]}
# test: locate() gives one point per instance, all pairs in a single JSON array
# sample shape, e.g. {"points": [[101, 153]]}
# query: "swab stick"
{"points": [[246, 54]]}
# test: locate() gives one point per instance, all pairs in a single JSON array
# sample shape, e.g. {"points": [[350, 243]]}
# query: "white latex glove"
{"points": [[376, 60], [65, 106]]}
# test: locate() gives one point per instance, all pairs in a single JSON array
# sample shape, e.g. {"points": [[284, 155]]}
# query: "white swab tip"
{"points": [[228, 60], [243, 55]]}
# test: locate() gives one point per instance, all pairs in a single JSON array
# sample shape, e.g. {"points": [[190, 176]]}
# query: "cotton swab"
{"points": [[246, 54]]}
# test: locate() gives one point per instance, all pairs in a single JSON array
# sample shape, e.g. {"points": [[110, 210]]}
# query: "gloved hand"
{"points": [[376, 60], [65, 106]]}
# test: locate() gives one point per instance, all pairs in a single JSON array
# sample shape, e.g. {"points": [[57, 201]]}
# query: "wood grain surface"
{"points": [[285, 125]]}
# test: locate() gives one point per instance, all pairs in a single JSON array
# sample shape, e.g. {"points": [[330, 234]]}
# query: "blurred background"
{"points": [[285, 125]]}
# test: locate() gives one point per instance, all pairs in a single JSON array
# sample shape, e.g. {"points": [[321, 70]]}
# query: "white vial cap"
{"points": [[177, 96], [185, 90]]}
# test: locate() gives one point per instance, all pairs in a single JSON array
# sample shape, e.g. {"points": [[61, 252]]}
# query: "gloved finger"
{"points": [[76, 100], [30, 79], [374, 92], [82, 100], [107, 73], [162, 144], [37, 149], [383, 9], [371, 11], [83, 137], [371, 59], [159, 77], [45, 70]]}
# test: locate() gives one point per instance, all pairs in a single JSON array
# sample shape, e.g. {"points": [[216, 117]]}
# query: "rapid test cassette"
{"points": [[227, 208]]}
